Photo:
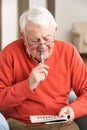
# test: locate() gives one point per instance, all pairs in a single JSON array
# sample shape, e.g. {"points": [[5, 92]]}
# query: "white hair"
{"points": [[38, 15]]}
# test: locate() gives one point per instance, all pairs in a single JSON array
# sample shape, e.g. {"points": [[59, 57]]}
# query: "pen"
{"points": [[42, 59]]}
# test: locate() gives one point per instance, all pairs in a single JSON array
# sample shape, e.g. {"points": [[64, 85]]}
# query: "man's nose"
{"points": [[42, 41], [42, 45]]}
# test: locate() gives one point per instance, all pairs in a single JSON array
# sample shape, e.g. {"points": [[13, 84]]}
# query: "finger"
{"points": [[43, 66], [62, 112], [44, 71], [43, 77]]}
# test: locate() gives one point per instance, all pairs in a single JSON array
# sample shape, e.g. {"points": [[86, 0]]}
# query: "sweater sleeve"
{"points": [[79, 84], [11, 94]]}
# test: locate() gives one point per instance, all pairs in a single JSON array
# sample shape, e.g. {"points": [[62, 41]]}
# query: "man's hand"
{"points": [[37, 75], [67, 110]]}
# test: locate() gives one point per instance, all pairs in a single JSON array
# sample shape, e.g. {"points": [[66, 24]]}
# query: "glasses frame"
{"points": [[38, 43]]}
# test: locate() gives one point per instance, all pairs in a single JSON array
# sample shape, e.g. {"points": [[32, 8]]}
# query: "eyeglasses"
{"points": [[38, 43]]}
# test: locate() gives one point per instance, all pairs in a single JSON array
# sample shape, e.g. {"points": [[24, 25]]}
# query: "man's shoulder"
{"points": [[63, 45], [13, 46]]}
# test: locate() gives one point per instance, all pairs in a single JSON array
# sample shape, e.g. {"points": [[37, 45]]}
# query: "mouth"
{"points": [[42, 58], [42, 55]]}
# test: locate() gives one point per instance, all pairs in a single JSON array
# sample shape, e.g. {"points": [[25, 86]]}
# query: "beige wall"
{"points": [[67, 12], [9, 21]]}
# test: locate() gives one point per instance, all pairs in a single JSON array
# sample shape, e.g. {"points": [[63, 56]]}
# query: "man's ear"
{"points": [[22, 35], [56, 29]]}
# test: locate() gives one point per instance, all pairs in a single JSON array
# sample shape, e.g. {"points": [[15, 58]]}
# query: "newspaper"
{"points": [[49, 119]]}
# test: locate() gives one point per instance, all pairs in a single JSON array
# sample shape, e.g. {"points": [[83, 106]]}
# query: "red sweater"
{"points": [[66, 71]]}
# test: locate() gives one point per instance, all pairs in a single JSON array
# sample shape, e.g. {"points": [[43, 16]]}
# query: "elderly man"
{"points": [[37, 73]]}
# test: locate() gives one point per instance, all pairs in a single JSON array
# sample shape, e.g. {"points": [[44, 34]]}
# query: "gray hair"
{"points": [[38, 15]]}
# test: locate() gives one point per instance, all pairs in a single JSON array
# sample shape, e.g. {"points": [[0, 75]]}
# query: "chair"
{"points": [[79, 36], [82, 121], [3, 123]]}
